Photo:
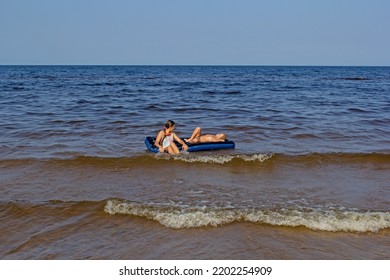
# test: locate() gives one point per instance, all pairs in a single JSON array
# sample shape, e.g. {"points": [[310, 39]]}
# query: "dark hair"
{"points": [[169, 124]]}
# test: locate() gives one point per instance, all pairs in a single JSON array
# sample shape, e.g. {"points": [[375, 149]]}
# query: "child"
{"points": [[198, 138], [165, 139]]}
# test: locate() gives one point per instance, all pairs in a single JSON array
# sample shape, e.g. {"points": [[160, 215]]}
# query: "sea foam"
{"points": [[219, 159], [329, 219]]}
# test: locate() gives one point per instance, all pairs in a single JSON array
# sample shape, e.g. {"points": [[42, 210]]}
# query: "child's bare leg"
{"points": [[195, 134], [170, 150], [174, 148]]}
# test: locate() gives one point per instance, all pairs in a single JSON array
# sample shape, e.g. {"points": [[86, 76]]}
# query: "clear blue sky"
{"points": [[195, 32]]}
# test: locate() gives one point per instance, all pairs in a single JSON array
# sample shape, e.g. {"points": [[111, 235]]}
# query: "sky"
{"points": [[195, 32]]}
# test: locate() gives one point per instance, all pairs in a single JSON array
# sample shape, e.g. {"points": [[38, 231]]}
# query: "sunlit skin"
{"points": [[172, 148], [197, 137]]}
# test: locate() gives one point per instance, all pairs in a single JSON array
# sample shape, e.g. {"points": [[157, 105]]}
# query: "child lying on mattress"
{"points": [[197, 137]]}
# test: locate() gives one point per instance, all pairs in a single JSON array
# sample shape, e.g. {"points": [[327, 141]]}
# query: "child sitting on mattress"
{"points": [[197, 137], [165, 139]]}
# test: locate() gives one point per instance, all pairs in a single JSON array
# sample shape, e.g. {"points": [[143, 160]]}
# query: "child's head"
{"points": [[221, 136], [170, 125]]}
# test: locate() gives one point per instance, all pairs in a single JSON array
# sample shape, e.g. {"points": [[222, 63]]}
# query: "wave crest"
{"points": [[220, 159], [330, 219]]}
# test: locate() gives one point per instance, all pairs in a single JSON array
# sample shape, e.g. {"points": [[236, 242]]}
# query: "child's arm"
{"points": [[158, 141], [185, 147]]}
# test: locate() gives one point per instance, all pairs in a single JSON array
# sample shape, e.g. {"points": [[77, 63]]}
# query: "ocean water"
{"points": [[309, 177]]}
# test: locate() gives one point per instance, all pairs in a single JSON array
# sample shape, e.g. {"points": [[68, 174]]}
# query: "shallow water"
{"points": [[309, 178]]}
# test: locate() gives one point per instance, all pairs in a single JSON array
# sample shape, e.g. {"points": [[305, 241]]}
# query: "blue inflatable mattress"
{"points": [[208, 146]]}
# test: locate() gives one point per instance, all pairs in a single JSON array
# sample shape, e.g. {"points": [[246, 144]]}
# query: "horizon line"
{"points": [[197, 65]]}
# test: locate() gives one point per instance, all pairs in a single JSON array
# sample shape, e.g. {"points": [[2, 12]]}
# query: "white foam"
{"points": [[193, 217], [348, 221], [256, 157], [220, 159]]}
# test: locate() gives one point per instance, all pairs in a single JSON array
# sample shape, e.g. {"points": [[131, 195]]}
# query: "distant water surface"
{"points": [[309, 178]]}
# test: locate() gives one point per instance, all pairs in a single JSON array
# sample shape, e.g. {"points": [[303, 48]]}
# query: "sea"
{"points": [[309, 177]]}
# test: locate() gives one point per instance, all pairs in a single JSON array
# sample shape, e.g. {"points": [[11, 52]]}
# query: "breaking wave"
{"points": [[332, 219], [221, 159], [147, 159]]}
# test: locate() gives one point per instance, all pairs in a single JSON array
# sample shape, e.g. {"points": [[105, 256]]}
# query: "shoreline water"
{"points": [[308, 178]]}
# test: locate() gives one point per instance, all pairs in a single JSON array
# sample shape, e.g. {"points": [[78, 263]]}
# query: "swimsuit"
{"points": [[167, 141]]}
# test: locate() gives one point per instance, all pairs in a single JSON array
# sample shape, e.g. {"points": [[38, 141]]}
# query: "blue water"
{"points": [[56, 111], [309, 177]]}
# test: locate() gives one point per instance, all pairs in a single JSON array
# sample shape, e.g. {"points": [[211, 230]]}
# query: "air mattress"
{"points": [[208, 146]]}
